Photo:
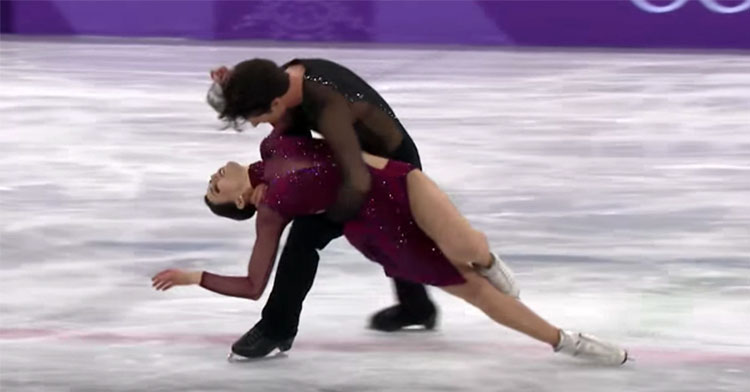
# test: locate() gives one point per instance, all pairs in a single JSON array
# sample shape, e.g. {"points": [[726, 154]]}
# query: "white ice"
{"points": [[616, 184]]}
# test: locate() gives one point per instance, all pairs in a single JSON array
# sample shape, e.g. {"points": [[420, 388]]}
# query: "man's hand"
{"points": [[350, 198]]}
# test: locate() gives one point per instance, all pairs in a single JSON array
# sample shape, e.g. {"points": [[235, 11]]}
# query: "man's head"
{"points": [[251, 91], [229, 192]]}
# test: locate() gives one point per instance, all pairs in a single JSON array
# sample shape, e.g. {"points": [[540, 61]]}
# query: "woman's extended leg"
{"points": [[463, 245], [513, 314], [504, 309]]}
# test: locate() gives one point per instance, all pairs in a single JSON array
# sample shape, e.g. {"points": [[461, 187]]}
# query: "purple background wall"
{"points": [[609, 23]]}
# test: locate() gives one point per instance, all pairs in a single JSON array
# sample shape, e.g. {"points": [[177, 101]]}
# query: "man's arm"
{"points": [[336, 124]]}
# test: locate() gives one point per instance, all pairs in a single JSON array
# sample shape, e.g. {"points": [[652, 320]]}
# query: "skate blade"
{"points": [[234, 358]]}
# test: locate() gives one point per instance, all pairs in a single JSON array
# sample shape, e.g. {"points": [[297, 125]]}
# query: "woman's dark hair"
{"points": [[250, 89], [230, 210]]}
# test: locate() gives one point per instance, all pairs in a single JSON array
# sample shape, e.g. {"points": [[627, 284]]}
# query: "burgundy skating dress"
{"points": [[303, 179]]}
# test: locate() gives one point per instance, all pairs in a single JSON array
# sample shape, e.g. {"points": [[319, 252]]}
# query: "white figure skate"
{"points": [[587, 347], [500, 275]]}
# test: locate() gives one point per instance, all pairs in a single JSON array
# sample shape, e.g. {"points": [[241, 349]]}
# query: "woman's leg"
{"points": [[464, 246], [513, 314], [461, 244], [436, 215], [504, 309]]}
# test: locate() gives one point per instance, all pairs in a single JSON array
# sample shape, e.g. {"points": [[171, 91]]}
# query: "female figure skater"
{"points": [[406, 224]]}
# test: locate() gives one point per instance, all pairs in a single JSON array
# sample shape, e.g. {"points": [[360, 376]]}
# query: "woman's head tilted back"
{"points": [[230, 189], [252, 92]]}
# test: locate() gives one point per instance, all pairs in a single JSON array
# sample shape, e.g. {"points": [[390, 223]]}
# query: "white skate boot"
{"points": [[587, 347], [500, 275]]}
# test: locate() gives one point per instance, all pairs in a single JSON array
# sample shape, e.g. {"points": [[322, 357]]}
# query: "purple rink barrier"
{"points": [[703, 24]]}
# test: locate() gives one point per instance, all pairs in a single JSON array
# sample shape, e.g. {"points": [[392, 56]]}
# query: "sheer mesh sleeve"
{"points": [[335, 122], [269, 225]]}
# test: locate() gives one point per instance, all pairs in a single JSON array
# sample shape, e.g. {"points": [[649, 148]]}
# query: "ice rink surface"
{"points": [[616, 184]]}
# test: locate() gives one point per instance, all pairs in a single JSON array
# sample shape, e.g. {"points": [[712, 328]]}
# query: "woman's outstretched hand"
{"points": [[164, 280]]}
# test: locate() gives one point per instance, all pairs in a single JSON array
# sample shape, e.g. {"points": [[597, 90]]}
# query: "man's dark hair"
{"points": [[250, 89], [230, 210]]}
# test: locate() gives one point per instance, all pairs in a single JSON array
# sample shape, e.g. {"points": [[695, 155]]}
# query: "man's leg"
{"points": [[414, 309], [294, 278], [415, 306]]}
